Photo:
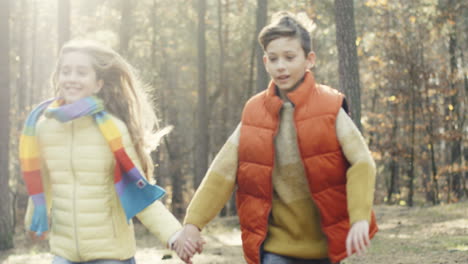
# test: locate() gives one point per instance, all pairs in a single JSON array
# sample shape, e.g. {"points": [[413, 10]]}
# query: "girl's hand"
{"points": [[358, 238], [34, 237], [188, 243]]}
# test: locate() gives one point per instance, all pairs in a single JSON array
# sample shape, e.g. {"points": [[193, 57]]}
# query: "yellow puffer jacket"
{"points": [[86, 219]]}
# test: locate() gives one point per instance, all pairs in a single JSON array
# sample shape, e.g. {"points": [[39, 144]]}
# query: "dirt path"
{"points": [[432, 235]]}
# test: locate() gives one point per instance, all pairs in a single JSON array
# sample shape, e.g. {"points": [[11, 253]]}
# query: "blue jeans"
{"points": [[60, 260], [271, 258]]}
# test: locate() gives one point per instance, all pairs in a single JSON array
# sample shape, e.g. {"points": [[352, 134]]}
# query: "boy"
{"points": [[303, 174]]}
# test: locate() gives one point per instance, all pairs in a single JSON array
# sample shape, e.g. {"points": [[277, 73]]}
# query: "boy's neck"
{"points": [[283, 94]]}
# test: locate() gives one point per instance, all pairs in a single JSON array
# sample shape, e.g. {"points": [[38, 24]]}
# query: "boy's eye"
{"points": [[290, 57], [272, 58]]}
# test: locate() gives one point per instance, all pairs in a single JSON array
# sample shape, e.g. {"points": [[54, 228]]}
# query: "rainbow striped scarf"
{"points": [[134, 191]]}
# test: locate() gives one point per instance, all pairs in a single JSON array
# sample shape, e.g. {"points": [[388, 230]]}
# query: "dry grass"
{"points": [[429, 235]]}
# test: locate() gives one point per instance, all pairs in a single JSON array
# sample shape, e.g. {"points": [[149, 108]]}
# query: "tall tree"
{"points": [[411, 169], [6, 215], [454, 113], [33, 69], [394, 164], [63, 24], [226, 126], [348, 61], [125, 26], [262, 76], [432, 191], [201, 151], [22, 76]]}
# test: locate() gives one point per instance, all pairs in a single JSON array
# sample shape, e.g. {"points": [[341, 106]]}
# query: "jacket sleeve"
{"points": [[361, 173], [217, 185], [156, 217]]}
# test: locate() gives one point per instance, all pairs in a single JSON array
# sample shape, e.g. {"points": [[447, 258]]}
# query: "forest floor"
{"points": [[429, 235]]}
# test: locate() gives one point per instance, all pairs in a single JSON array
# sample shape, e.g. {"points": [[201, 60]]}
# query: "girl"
{"points": [[85, 160]]}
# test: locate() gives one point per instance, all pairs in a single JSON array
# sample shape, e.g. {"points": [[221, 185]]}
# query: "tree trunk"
{"points": [[125, 26], [222, 84], [63, 30], [348, 60], [31, 93], [6, 214], [411, 176], [22, 76], [394, 166], [455, 181], [174, 152], [250, 85], [464, 115], [434, 182], [262, 76], [372, 135], [201, 157], [169, 155]]}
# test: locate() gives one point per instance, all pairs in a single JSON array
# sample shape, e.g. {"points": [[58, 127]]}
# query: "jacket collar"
{"points": [[298, 97]]}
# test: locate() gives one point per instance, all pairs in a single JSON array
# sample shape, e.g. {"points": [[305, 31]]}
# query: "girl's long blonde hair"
{"points": [[124, 96]]}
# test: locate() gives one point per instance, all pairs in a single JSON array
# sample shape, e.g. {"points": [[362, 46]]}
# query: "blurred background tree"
{"points": [[200, 61]]}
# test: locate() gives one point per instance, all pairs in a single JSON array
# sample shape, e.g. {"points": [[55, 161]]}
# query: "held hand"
{"points": [[176, 243], [188, 243], [34, 237], [358, 238]]}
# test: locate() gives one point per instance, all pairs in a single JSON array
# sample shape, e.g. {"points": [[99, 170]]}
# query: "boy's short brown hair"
{"points": [[285, 24]]}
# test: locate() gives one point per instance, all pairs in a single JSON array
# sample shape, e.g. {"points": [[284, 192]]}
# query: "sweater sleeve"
{"points": [[159, 221], [217, 185], [156, 217], [361, 173]]}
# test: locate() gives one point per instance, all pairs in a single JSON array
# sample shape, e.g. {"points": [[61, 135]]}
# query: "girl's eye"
{"points": [[273, 59], [290, 57]]}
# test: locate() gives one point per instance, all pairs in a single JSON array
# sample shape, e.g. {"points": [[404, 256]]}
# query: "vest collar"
{"points": [[298, 97]]}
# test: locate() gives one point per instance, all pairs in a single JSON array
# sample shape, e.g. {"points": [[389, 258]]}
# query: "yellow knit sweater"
{"points": [[294, 224]]}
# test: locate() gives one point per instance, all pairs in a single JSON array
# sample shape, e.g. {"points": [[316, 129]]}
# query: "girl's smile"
{"points": [[77, 78]]}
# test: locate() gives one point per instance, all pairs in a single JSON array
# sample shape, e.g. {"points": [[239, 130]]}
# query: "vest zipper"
{"points": [[74, 183], [305, 169], [300, 154], [271, 190]]}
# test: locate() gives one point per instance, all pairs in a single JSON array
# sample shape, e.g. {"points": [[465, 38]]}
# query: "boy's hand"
{"points": [[188, 242], [358, 238]]}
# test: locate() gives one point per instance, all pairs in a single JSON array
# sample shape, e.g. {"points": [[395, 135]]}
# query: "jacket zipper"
{"points": [[77, 246], [114, 222]]}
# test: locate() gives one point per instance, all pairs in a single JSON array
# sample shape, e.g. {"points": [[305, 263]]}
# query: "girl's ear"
{"points": [[310, 60]]}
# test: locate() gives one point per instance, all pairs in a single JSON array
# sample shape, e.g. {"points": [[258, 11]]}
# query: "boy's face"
{"points": [[286, 62]]}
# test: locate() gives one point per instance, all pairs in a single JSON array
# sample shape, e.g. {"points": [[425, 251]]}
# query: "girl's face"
{"points": [[286, 62], [76, 77]]}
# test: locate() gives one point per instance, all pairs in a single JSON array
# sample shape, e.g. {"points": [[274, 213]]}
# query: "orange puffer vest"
{"points": [[316, 109]]}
